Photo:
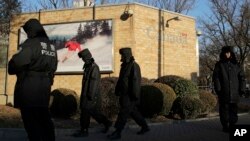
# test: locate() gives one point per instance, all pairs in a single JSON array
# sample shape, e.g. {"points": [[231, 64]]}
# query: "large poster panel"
{"points": [[70, 38]]}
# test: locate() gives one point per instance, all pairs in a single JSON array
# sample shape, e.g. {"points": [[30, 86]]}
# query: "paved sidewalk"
{"points": [[207, 129]]}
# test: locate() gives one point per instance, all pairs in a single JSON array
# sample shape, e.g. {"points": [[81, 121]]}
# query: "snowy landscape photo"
{"points": [[70, 38]]}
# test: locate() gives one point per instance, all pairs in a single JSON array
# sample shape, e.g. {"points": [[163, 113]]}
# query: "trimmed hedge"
{"points": [[10, 117], [181, 86], [64, 103], [168, 79], [187, 107], [209, 101], [146, 81], [109, 102], [156, 99]]}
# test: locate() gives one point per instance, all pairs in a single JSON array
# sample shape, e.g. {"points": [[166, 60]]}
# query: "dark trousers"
{"points": [[38, 124], [86, 113], [228, 113], [126, 111]]}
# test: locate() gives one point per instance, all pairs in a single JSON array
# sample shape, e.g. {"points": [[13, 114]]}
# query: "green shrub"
{"points": [[151, 100], [168, 79], [187, 107], [181, 86], [209, 101], [64, 103], [156, 99], [145, 81], [168, 97], [109, 102], [10, 117]]}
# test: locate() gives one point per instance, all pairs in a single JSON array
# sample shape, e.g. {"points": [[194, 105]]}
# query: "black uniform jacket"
{"points": [[90, 85], [129, 83], [34, 65], [228, 81]]}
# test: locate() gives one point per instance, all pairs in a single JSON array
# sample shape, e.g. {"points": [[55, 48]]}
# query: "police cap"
{"points": [[126, 52], [85, 54]]}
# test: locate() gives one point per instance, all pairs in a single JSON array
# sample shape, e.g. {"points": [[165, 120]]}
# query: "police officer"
{"points": [[229, 84], [89, 94], [128, 88], [34, 65]]}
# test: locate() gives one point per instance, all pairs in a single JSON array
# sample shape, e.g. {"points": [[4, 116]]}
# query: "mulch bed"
{"points": [[11, 118]]}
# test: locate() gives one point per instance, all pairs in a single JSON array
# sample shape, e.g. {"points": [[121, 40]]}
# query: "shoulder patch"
{"points": [[46, 51]]}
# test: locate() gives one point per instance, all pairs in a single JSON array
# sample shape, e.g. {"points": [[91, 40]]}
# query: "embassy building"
{"points": [[162, 42]]}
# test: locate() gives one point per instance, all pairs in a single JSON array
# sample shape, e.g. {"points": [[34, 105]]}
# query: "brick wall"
{"points": [[2, 80], [158, 49]]}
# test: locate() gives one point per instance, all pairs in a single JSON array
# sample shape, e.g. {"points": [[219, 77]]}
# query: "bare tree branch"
{"points": [[179, 6], [229, 24], [7, 9]]}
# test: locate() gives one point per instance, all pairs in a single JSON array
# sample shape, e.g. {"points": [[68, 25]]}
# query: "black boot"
{"points": [[115, 135], [81, 133], [143, 130], [107, 126]]}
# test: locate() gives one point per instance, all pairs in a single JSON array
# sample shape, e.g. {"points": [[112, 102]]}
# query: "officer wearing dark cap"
{"points": [[229, 84], [128, 89], [89, 93], [34, 65]]}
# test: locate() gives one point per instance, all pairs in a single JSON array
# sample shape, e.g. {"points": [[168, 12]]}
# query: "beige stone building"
{"points": [[163, 42]]}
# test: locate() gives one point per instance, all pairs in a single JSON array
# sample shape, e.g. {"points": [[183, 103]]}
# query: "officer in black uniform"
{"points": [[229, 84], [128, 88], [34, 65], [89, 94]]}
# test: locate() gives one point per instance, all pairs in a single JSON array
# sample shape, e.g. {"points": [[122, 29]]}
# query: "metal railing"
{"points": [[207, 88]]}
